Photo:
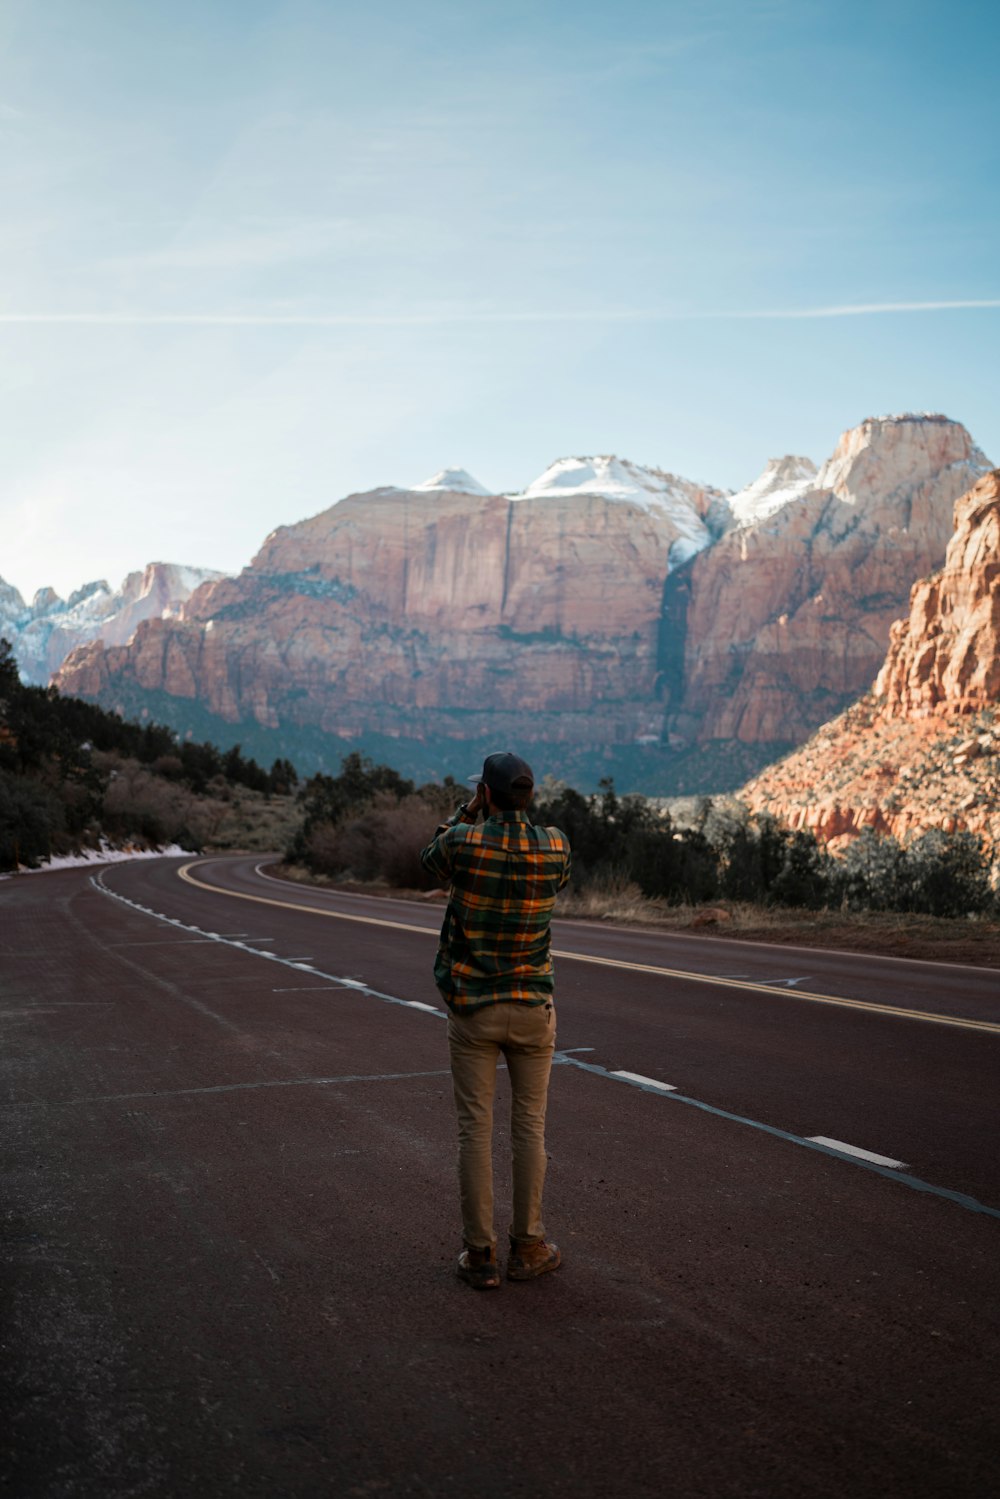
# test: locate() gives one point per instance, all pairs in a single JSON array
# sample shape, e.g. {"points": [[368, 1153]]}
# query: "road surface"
{"points": [[231, 1217]]}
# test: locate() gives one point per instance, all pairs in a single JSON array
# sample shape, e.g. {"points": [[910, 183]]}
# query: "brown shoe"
{"points": [[479, 1268], [528, 1260]]}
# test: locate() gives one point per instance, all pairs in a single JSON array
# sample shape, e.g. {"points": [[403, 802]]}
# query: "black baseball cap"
{"points": [[504, 772]]}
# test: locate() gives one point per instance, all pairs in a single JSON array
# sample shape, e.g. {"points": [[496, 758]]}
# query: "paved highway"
{"points": [[232, 1221]]}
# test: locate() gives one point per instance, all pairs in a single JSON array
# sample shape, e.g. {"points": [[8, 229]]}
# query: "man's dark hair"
{"points": [[517, 799]]}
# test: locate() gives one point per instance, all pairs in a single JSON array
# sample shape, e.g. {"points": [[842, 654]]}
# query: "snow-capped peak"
{"points": [[457, 480], [783, 479], [685, 505], [614, 478]]}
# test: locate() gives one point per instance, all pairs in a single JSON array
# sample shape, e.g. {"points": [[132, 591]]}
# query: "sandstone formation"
{"points": [[429, 612], [945, 658], [786, 619], [606, 606], [923, 748], [44, 632]]}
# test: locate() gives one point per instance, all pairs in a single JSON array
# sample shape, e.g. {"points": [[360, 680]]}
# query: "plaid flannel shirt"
{"points": [[505, 875]]}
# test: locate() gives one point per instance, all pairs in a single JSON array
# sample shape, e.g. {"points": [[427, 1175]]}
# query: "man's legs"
{"points": [[473, 1043], [531, 1040]]}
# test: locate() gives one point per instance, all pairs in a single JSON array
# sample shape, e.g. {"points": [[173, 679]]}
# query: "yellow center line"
{"points": [[288, 905], [576, 957], [820, 999]]}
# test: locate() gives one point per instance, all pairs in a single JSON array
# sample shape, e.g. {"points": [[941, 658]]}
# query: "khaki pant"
{"points": [[526, 1036]]}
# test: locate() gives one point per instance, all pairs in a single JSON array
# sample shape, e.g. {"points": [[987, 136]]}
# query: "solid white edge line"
{"points": [[650, 1082], [862, 1155]]}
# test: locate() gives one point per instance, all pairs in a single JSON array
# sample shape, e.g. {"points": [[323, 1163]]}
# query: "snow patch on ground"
{"points": [[103, 855]]}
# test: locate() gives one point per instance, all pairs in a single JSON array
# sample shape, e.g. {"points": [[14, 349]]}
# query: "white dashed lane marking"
{"points": [[646, 1082], [855, 1150], [868, 1160]]}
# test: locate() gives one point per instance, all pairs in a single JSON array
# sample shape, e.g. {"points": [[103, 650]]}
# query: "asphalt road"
{"points": [[231, 1219]]}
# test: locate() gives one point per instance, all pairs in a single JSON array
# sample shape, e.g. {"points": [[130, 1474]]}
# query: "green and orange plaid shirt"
{"points": [[495, 943]]}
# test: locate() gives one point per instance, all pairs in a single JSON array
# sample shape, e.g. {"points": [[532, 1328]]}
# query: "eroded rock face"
{"points": [[444, 612], [407, 612], [923, 749], [945, 657], [44, 632], [788, 615]]}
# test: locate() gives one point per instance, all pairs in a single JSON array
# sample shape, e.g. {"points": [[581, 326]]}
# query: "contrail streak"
{"points": [[444, 318]]}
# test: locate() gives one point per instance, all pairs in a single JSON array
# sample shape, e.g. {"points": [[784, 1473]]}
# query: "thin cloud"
{"points": [[433, 318], [866, 309]]}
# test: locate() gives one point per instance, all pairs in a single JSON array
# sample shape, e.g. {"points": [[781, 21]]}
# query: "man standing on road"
{"points": [[494, 971]]}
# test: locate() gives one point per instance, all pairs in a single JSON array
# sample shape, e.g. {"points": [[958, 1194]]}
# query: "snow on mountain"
{"points": [[12, 608], [44, 632], [457, 480], [783, 480], [693, 509]]}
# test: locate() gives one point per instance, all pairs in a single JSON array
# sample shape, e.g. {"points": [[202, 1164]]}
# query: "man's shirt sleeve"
{"points": [[437, 856]]}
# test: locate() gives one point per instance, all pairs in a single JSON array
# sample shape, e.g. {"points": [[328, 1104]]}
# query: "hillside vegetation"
{"points": [[75, 777], [368, 824]]}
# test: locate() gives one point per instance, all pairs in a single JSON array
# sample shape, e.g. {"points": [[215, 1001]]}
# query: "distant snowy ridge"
{"points": [[44, 632], [697, 512], [455, 480], [783, 480]]}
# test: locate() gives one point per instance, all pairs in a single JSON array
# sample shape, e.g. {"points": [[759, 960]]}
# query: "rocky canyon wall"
{"points": [[419, 613], [44, 632], [921, 750], [788, 616], [571, 615]]}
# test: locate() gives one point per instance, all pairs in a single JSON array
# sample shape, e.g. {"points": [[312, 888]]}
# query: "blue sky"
{"points": [[257, 254]]}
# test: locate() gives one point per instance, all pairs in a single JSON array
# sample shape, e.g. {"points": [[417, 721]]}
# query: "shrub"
{"points": [[948, 874], [31, 821], [873, 874], [381, 842], [327, 800], [805, 874], [139, 804]]}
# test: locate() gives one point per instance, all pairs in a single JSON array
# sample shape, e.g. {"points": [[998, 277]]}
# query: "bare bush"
{"points": [[138, 804], [382, 842]]}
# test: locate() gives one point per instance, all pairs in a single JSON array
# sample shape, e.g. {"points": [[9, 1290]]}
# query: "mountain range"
{"points": [[44, 632], [610, 618]]}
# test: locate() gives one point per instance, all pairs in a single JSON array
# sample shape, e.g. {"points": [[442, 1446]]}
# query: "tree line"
{"points": [[72, 774], [369, 823]]}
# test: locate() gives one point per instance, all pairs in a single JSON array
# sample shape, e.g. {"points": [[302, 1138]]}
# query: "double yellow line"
{"points": [[897, 1011]]}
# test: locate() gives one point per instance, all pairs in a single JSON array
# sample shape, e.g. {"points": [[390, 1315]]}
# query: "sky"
{"points": [[259, 254]]}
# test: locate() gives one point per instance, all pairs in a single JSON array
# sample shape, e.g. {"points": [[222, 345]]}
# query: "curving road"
{"points": [[232, 1219]]}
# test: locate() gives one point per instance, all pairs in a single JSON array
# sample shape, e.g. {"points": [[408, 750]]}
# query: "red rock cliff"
{"points": [[789, 615], [407, 612], [923, 750], [439, 613]]}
